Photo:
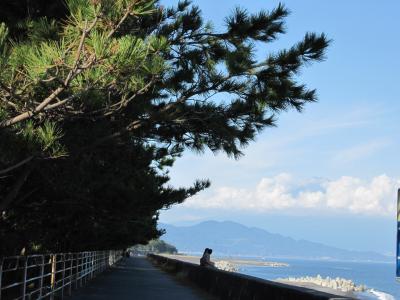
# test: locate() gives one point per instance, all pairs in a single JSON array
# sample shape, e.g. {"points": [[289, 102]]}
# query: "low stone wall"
{"points": [[234, 286]]}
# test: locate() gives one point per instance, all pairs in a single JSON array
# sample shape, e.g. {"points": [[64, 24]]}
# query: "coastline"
{"points": [[242, 262], [239, 262]]}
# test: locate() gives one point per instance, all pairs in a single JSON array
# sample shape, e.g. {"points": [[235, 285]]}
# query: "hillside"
{"points": [[229, 238]]}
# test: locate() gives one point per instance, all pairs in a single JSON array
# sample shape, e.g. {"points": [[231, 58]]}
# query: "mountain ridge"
{"points": [[228, 238]]}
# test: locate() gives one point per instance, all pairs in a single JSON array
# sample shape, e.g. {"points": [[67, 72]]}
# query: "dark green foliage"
{"points": [[98, 100], [12, 11], [155, 246]]}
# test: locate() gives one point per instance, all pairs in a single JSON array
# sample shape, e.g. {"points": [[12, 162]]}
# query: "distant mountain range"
{"points": [[234, 239]]}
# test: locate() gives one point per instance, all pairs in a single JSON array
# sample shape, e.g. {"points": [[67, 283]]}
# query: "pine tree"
{"points": [[99, 99]]}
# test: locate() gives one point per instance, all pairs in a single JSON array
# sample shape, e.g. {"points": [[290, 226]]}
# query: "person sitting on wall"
{"points": [[205, 260]]}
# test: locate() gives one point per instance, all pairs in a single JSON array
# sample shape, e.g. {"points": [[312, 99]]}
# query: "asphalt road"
{"points": [[136, 278]]}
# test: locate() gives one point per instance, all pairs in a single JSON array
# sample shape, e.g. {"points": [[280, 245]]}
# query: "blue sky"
{"points": [[329, 174]]}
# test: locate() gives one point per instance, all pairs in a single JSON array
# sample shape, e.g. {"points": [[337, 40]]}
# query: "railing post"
{"points": [[41, 278], [92, 264], [95, 264], [84, 269], [63, 275], [103, 261], [86, 266], [71, 264], [53, 275], [106, 259], [1, 275], [24, 277], [76, 270], [80, 269]]}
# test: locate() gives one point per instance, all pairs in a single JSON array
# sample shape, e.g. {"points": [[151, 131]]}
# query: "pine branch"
{"points": [[11, 196], [75, 71], [16, 166]]}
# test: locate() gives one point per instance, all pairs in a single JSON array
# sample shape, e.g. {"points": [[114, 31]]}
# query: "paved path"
{"points": [[136, 278]]}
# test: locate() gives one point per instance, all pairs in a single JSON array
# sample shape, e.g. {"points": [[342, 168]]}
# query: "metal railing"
{"points": [[51, 276]]}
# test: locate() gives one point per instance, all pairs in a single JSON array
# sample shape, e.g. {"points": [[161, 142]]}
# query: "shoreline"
{"points": [[243, 262], [194, 259]]}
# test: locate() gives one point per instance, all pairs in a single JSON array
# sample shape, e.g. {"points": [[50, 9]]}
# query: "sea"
{"points": [[379, 278]]}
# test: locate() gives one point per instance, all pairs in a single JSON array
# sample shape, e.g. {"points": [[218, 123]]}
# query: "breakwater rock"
{"points": [[226, 266], [342, 284]]}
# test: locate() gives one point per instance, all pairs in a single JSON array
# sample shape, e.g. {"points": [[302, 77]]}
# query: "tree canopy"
{"points": [[98, 98], [154, 246]]}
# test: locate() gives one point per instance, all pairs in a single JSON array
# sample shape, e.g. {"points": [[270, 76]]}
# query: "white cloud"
{"points": [[285, 192]]}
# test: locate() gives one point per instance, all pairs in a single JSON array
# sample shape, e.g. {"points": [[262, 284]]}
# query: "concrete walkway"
{"points": [[136, 278]]}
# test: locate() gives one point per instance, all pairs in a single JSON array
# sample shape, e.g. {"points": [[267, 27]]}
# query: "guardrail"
{"points": [[51, 276]]}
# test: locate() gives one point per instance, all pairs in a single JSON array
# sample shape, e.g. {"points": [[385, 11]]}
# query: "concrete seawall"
{"points": [[234, 286]]}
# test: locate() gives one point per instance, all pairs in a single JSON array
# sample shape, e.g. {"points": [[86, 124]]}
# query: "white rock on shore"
{"points": [[226, 266], [344, 285]]}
